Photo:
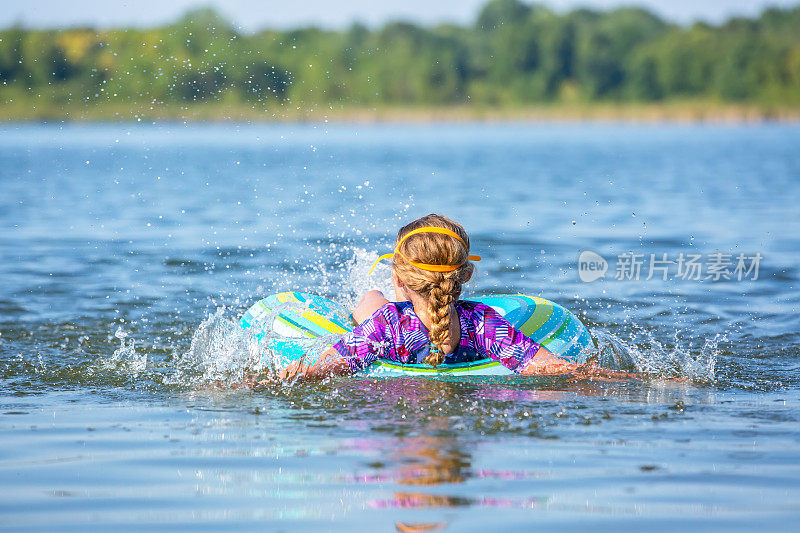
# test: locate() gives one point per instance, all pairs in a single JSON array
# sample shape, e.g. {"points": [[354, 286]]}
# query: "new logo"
{"points": [[591, 266]]}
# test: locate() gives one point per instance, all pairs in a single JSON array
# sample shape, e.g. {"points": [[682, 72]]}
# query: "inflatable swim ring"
{"points": [[295, 322]]}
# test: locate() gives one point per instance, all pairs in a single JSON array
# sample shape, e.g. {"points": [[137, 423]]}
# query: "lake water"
{"points": [[129, 251]]}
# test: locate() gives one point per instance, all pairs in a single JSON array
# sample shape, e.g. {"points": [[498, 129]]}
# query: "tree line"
{"points": [[514, 54]]}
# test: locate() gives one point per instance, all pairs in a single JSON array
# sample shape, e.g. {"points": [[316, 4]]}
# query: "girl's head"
{"points": [[414, 265]]}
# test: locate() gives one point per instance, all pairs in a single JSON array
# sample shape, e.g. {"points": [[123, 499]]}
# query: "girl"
{"points": [[429, 323]]}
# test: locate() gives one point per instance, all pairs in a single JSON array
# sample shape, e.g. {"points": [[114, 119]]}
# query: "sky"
{"points": [[251, 15]]}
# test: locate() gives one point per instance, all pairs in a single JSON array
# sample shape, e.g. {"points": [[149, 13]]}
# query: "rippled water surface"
{"points": [[128, 253]]}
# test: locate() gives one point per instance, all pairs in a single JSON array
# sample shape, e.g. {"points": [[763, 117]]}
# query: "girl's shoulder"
{"points": [[395, 312], [400, 316], [397, 308], [479, 314], [474, 308]]}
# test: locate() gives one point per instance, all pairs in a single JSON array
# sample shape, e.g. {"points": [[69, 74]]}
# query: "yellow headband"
{"points": [[426, 266]]}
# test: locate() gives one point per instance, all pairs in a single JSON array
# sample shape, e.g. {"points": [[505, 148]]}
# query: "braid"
{"points": [[440, 289], [440, 300]]}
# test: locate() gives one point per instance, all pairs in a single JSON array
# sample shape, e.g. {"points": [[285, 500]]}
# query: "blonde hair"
{"points": [[440, 289]]}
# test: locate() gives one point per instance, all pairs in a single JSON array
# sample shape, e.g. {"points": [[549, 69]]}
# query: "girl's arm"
{"points": [[370, 302], [546, 362], [330, 363], [356, 350]]}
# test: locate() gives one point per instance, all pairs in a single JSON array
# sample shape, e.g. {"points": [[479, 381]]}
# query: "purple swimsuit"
{"points": [[395, 332]]}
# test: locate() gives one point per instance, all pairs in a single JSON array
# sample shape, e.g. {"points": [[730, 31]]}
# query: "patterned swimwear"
{"points": [[395, 332]]}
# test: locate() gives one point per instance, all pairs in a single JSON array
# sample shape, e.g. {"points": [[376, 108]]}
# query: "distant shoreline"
{"points": [[667, 112]]}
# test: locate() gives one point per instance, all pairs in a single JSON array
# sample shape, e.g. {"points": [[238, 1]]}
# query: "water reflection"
{"points": [[439, 425], [413, 443], [439, 452], [419, 528], [432, 461]]}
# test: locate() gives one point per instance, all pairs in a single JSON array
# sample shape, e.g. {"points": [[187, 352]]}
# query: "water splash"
{"points": [[220, 352], [644, 354], [125, 360], [223, 352], [357, 280]]}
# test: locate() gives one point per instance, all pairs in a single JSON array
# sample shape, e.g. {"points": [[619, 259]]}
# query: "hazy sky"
{"points": [[255, 14]]}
